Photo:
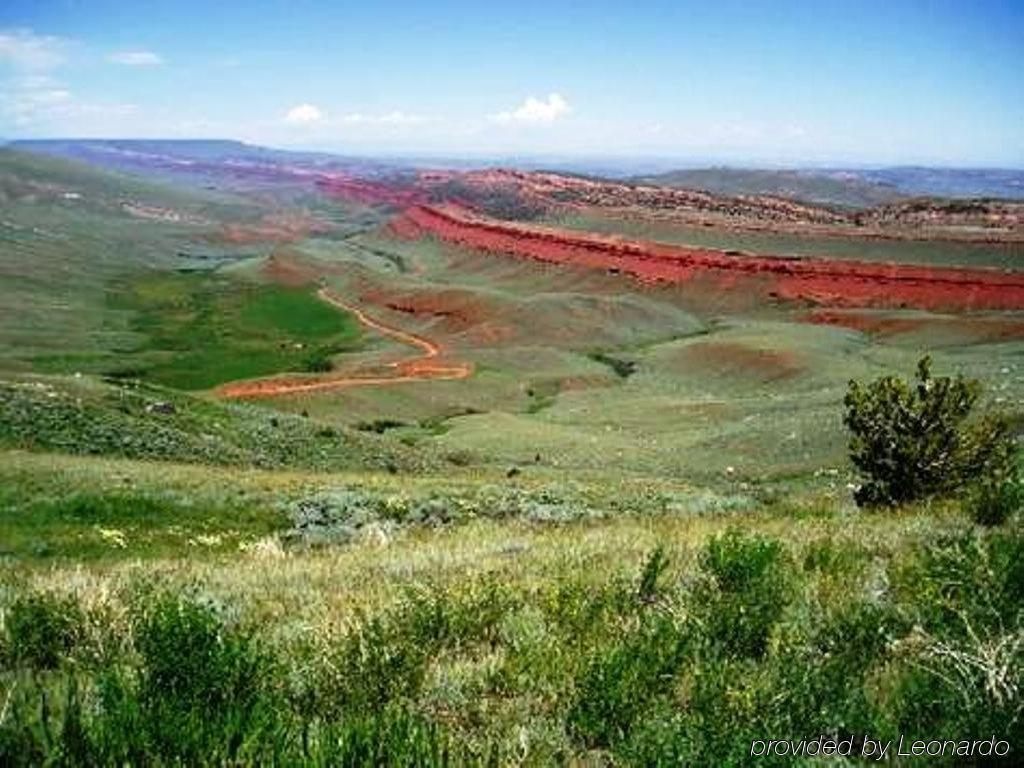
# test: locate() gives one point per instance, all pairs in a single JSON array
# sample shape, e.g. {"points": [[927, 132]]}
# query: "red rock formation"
{"points": [[821, 281]]}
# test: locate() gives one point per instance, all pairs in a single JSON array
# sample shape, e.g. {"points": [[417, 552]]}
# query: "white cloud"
{"points": [[39, 100], [534, 110], [27, 51], [136, 58], [33, 97], [304, 114]]}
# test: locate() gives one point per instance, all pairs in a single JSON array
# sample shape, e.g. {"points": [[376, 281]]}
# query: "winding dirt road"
{"points": [[422, 367]]}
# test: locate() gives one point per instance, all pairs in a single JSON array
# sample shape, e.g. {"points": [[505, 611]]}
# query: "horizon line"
{"points": [[685, 162]]}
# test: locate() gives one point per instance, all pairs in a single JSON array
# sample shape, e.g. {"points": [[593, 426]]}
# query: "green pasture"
{"points": [[200, 330]]}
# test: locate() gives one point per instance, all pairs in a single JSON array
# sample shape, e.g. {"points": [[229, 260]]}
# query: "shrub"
{"points": [[913, 442], [187, 654], [752, 585], [959, 670], [662, 738], [820, 675], [963, 582], [617, 686], [972, 686], [655, 565], [318, 362], [41, 630], [379, 663], [380, 426], [993, 500], [196, 695], [384, 658]]}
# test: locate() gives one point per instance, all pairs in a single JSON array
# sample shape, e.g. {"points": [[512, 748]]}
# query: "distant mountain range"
{"points": [[847, 187], [851, 188]]}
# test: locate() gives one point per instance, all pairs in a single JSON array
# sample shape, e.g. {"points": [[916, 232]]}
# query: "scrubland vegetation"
{"points": [[632, 536], [366, 620], [630, 642]]}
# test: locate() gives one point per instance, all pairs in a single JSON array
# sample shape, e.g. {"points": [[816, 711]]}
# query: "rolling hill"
{"points": [[429, 466]]}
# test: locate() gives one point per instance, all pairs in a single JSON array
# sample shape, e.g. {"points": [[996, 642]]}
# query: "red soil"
{"points": [[874, 325], [367, 191], [821, 281], [457, 310], [974, 329], [287, 269], [460, 314], [751, 362], [426, 365], [274, 228]]}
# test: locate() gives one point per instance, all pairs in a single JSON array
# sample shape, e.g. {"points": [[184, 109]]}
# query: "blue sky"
{"points": [[767, 83]]}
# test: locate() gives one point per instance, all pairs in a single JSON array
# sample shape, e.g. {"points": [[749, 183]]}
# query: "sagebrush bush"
{"points": [[994, 500], [959, 669], [820, 678], [752, 583], [963, 582], [654, 566], [383, 658], [197, 691], [41, 630], [618, 684], [912, 442]]}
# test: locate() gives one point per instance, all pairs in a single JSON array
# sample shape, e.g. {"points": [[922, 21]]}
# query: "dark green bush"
{"points": [[618, 685], [663, 737], [647, 589], [188, 655], [992, 501], [318, 361], [384, 658], [912, 442], [820, 680], [963, 582], [752, 585], [41, 630], [196, 695]]}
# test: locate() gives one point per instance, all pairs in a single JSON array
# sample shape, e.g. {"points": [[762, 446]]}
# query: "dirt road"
{"points": [[427, 365]]}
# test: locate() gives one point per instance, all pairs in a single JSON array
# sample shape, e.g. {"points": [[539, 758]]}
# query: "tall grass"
{"points": [[681, 659]]}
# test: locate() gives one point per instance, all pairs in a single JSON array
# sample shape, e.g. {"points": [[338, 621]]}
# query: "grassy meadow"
{"points": [[536, 628], [200, 331]]}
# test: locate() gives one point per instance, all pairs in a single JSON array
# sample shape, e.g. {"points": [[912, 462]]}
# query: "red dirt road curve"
{"points": [[421, 367], [821, 281]]}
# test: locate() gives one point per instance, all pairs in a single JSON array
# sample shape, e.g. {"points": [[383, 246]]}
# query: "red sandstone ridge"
{"points": [[368, 191], [821, 281], [996, 220]]}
